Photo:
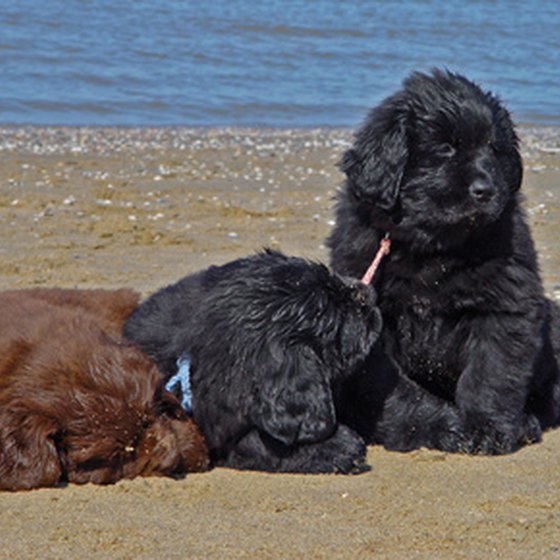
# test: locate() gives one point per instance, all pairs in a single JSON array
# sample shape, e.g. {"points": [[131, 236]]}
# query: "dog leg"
{"points": [[412, 418], [544, 401], [493, 390], [344, 452], [385, 406]]}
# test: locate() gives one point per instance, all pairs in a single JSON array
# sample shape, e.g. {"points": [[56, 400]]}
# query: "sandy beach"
{"points": [[112, 207]]}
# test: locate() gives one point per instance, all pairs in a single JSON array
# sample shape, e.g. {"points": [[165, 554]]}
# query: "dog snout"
{"points": [[363, 295], [482, 190]]}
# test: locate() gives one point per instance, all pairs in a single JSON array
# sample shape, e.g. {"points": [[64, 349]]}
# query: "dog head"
{"points": [[309, 329], [438, 160], [121, 422], [337, 317], [323, 327], [171, 444]]}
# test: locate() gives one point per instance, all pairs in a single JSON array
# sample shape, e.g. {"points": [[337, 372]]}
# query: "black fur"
{"points": [[271, 339], [470, 337]]}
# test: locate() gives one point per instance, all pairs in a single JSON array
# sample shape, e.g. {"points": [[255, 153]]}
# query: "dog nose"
{"points": [[481, 190]]}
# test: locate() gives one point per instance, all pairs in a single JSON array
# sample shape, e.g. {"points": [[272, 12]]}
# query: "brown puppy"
{"points": [[77, 402]]}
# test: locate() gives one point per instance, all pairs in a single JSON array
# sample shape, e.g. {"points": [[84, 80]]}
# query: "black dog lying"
{"points": [[270, 339], [472, 337]]}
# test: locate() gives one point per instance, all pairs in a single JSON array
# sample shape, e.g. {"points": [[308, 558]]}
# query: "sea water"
{"points": [[274, 63]]}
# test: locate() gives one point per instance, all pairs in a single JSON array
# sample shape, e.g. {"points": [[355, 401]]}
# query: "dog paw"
{"points": [[531, 431], [445, 432], [507, 439], [343, 453], [452, 441]]}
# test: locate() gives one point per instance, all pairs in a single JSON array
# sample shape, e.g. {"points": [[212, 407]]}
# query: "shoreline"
{"points": [[547, 135], [105, 207]]}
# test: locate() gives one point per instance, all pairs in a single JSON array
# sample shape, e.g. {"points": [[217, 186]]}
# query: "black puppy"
{"points": [[270, 340], [470, 335]]}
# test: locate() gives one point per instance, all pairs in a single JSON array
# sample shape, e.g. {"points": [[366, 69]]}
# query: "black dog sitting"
{"points": [[270, 340], [473, 340]]}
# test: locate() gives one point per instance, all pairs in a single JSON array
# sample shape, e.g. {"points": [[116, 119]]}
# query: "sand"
{"points": [[101, 207]]}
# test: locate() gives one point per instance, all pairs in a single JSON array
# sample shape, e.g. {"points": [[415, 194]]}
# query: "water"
{"points": [[275, 63]]}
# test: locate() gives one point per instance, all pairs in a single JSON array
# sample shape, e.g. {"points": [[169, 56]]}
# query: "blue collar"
{"points": [[182, 379]]}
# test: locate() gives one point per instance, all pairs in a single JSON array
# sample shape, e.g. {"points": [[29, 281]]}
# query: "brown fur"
{"points": [[77, 402]]}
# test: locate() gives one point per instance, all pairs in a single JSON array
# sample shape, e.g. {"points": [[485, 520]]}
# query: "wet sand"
{"points": [[87, 207]]}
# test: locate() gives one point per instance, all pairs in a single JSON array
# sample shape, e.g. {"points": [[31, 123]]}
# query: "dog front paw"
{"points": [[501, 440], [345, 452], [530, 431]]}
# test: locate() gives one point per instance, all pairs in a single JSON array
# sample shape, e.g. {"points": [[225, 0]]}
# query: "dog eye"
{"points": [[446, 150]]}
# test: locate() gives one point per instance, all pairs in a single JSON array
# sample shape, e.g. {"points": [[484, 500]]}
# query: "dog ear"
{"points": [[514, 170], [29, 456], [517, 173], [358, 336], [294, 401], [507, 140], [376, 163]]}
